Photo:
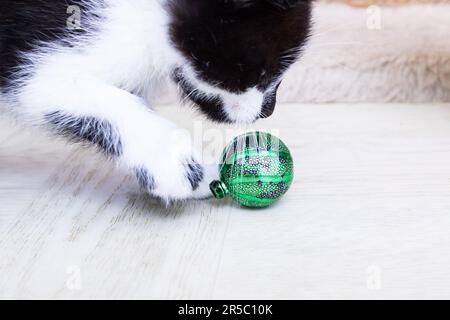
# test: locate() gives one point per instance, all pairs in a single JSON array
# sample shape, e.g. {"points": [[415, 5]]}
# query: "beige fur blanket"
{"points": [[380, 54]]}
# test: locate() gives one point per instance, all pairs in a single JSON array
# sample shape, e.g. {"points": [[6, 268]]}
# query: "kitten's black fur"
{"points": [[87, 129], [27, 24]]}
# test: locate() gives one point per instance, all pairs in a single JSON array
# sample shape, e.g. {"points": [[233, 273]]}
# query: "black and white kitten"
{"points": [[82, 68]]}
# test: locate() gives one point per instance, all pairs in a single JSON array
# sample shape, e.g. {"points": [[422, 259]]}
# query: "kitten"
{"points": [[82, 67]]}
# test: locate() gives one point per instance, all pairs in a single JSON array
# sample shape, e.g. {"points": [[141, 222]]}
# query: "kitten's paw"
{"points": [[174, 173]]}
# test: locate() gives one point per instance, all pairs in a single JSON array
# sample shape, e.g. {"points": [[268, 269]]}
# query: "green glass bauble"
{"points": [[256, 170]]}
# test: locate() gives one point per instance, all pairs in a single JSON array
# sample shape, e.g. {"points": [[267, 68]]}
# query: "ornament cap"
{"points": [[218, 189]]}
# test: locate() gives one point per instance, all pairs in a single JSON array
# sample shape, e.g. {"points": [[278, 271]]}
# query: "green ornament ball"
{"points": [[256, 170]]}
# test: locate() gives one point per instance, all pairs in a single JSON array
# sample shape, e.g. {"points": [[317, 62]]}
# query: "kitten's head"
{"points": [[237, 52]]}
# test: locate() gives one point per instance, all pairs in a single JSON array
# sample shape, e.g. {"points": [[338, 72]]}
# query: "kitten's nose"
{"points": [[268, 108]]}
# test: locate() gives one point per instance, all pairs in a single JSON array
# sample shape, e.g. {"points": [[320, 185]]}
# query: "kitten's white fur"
{"points": [[130, 52]]}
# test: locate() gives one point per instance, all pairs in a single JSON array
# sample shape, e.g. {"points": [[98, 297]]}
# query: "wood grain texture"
{"points": [[368, 216]]}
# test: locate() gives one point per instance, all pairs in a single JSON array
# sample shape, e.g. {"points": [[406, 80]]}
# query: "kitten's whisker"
{"points": [[321, 45], [326, 31]]}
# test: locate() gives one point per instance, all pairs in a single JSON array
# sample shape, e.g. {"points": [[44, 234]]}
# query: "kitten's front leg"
{"points": [[123, 128]]}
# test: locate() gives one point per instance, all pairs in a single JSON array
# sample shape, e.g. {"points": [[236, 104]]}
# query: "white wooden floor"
{"points": [[367, 217]]}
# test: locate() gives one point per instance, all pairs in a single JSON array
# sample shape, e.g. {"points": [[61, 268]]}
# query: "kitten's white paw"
{"points": [[170, 169]]}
